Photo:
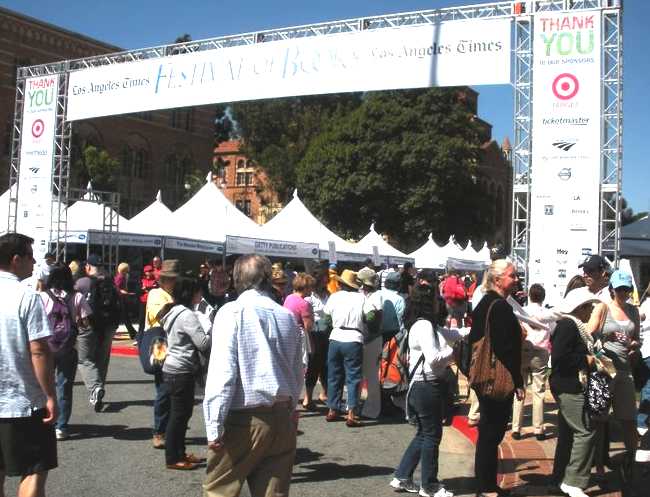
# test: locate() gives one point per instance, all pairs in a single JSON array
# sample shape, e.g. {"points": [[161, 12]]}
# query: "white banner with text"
{"points": [[452, 53], [565, 163], [271, 248], [34, 208]]}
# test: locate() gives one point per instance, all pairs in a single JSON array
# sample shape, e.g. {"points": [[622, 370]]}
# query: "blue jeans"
{"points": [[644, 405], [161, 405], [426, 403], [344, 360], [65, 370]]}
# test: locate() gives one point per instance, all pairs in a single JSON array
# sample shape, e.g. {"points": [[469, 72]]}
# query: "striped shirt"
{"points": [[256, 359]]}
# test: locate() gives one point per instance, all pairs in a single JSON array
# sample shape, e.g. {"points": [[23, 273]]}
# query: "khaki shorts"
{"points": [[623, 396]]}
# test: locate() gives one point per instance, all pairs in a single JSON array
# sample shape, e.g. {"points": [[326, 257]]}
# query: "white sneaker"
{"points": [[435, 491], [572, 491], [61, 434], [404, 485]]}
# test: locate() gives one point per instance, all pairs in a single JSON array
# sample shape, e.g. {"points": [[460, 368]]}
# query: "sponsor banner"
{"points": [[399, 260], [33, 215], [193, 245], [565, 165], [331, 256], [453, 53], [273, 248], [125, 239], [350, 257]]}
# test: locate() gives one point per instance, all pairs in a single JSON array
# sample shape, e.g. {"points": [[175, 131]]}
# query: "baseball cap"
{"points": [[594, 263], [94, 260], [620, 278]]}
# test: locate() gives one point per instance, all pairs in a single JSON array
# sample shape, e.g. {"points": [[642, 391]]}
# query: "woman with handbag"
{"points": [[495, 373], [430, 354], [571, 355], [186, 339]]}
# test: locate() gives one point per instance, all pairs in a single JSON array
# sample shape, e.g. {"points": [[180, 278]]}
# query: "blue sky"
{"points": [[142, 23]]}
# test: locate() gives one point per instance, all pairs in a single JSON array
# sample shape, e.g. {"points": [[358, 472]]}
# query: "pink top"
{"points": [[300, 308]]}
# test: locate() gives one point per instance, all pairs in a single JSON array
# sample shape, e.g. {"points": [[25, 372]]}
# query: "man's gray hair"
{"points": [[494, 271], [252, 271]]}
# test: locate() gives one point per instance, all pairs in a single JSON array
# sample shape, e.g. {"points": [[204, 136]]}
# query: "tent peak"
{"points": [[372, 226], [430, 237], [208, 178], [159, 196], [295, 193], [89, 186]]}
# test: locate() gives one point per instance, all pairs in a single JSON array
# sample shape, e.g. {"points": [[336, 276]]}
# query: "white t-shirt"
{"points": [[346, 311], [437, 356]]}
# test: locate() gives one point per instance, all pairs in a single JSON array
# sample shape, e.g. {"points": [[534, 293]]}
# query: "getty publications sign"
{"points": [[33, 214], [453, 53], [565, 165]]}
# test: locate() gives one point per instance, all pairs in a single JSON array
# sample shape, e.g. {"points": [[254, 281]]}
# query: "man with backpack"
{"points": [[94, 343]]}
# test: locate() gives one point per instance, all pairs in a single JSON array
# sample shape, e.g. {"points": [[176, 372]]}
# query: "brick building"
{"points": [[157, 150], [243, 182]]}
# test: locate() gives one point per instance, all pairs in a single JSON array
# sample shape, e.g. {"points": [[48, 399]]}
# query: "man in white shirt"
{"points": [[254, 381], [345, 353], [27, 393]]}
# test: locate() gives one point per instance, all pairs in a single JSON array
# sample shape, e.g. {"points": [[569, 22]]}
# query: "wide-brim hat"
{"points": [[367, 277], [577, 298], [171, 268], [348, 278]]}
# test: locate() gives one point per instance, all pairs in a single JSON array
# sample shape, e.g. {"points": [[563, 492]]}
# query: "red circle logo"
{"points": [[38, 126], [565, 86]]}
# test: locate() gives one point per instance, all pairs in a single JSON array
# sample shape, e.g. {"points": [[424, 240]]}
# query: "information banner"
{"points": [[193, 245], [33, 214], [272, 248], [452, 53], [125, 239], [565, 164]]}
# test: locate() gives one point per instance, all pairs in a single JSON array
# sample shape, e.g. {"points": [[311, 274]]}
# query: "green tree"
{"points": [[406, 159], [627, 213], [277, 132], [97, 166]]}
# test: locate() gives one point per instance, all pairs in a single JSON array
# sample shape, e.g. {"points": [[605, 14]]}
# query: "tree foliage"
{"points": [[276, 133], [627, 213], [406, 159], [97, 166]]}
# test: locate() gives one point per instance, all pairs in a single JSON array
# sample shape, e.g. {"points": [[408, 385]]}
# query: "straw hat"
{"points": [[348, 278], [171, 268]]}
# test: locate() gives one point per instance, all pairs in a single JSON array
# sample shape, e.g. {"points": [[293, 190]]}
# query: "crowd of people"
{"points": [[263, 338]]}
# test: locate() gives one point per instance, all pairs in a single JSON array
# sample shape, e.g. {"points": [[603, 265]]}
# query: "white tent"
{"points": [[430, 255], [153, 220], [374, 239], [4, 209], [88, 214], [294, 223], [209, 216]]}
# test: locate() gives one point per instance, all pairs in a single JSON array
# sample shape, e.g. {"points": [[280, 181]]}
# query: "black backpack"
{"points": [[104, 302]]}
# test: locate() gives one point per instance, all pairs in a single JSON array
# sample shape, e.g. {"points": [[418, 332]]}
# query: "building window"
{"points": [[245, 173], [244, 205], [182, 119], [135, 162]]}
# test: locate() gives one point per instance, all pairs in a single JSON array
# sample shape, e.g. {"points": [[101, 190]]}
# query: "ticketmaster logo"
{"points": [[565, 121]]}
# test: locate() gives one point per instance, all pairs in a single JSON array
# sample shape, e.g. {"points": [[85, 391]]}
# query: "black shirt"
{"points": [[568, 356], [505, 333]]}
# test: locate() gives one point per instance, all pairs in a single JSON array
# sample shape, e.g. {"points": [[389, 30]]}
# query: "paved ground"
{"points": [[110, 453]]}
